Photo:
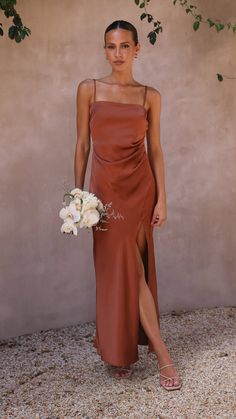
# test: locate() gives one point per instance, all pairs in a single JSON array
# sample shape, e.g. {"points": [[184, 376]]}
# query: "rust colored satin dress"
{"points": [[121, 174]]}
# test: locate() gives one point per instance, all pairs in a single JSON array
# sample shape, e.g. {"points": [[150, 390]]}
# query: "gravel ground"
{"points": [[57, 374]]}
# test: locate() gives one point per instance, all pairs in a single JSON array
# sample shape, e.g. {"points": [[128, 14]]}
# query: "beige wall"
{"points": [[47, 279]]}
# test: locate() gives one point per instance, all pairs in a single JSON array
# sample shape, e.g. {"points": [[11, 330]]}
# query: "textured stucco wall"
{"points": [[47, 279]]}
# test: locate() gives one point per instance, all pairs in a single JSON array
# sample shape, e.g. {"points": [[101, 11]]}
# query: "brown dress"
{"points": [[121, 174]]}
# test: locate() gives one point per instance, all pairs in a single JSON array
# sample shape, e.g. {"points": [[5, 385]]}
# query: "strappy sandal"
{"points": [[162, 382], [114, 370]]}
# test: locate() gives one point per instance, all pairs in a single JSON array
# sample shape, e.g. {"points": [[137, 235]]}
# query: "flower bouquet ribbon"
{"points": [[84, 210]]}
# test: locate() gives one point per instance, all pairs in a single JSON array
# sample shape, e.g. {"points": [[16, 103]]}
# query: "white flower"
{"points": [[72, 208], [86, 194], [93, 202], [78, 203], [68, 227], [100, 205], [65, 212], [89, 218], [77, 192]]}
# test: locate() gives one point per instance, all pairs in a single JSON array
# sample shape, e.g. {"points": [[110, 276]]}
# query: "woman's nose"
{"points": [[118, 52]]}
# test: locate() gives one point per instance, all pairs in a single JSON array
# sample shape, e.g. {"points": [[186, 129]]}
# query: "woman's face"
{"points": [[120, 49]]}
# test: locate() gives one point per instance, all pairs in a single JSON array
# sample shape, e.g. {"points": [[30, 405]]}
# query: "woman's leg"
{"points": [[148, 316]]}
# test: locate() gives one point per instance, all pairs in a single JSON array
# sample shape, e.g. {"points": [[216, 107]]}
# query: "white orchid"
{"points": [[72, 208], [77, 192], [68, 227], [65, 212]]}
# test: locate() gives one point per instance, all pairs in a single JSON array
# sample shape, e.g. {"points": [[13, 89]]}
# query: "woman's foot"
{"points": [[120, 372], [168, 375]]}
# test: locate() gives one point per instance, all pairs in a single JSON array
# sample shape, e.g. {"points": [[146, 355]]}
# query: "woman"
{"points": [[118, 112]]}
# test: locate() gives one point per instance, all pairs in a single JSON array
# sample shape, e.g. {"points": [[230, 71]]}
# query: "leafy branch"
{"points": [[189, 9], [145, 15], [17, 31]]}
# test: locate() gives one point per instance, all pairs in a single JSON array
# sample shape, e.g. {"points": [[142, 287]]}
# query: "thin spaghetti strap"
{"points": [[145, 94], [94, 97]]}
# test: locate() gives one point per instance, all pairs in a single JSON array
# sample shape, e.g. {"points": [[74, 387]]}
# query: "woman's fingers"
{"points": [[157, 221]]}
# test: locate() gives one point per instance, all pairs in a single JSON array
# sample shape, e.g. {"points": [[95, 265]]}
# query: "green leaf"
{"points": [[196, 25], [17, 38], [3, 3], [219, 26], [198, 17], [136, 2], [142, 5], [11, 32], [143, 15], [17, 20], [210, 22], [1, 32], [220, 77], [152, 37]]}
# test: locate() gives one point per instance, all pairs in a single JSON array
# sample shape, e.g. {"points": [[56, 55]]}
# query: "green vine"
{"points": [[17, 31], [145, 15], [189, 9], [217, 24]]}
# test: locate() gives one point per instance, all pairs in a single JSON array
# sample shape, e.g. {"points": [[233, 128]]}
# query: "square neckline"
{"points": [[117, 103], [122, 85]]}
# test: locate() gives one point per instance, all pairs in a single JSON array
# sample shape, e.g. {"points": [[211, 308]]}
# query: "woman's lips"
{"points": [[119, 62]]}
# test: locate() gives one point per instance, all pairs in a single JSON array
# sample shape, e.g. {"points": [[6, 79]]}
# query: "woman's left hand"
{"points": [[159, 214]]}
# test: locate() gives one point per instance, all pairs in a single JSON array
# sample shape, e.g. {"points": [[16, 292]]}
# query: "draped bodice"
{"points": [[117, 129]]}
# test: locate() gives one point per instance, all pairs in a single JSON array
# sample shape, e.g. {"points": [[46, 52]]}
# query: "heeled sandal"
{"points": [[162, 382]]}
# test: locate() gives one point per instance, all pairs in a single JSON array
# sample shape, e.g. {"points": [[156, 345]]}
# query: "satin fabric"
{"points": [[121, 174]]}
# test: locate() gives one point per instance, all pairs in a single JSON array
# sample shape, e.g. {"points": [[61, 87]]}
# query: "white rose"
{"points": [[86, 194], [93, 202], [89, 218]]}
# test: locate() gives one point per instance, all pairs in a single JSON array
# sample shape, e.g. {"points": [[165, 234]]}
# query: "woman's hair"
{"points": [[123, 24]]}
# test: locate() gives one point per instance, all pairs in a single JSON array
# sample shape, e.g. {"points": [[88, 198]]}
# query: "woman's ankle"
{"points": [[160, 348]]}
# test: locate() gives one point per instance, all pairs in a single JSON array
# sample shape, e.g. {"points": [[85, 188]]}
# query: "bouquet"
{"points": [[84, 210]]}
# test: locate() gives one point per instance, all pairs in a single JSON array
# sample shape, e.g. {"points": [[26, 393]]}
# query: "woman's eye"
{"points": [[111, 46]]}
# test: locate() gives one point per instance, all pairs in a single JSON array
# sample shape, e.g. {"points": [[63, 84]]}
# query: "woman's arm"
{"points": [[83, 132], [155, 153]]}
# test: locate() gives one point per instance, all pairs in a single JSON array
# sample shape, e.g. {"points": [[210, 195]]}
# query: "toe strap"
{"points": [[168, 378]]}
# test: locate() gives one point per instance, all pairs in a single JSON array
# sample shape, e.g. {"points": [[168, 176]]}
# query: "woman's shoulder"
{"points": [[153, 96], [153, 92], [85, 84], [85, 88]]}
